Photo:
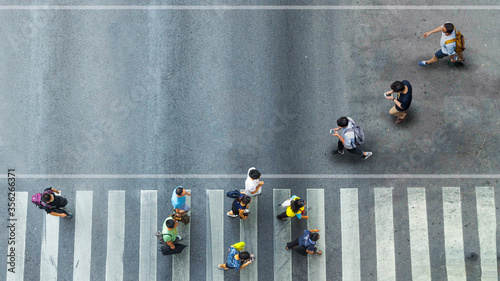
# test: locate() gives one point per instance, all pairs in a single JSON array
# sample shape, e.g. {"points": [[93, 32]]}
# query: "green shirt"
{"points": [[168, 235]]}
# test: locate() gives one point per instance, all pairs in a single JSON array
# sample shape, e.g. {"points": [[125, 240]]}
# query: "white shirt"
{"points": [[448, 49], [251, 184], [349, 138]]}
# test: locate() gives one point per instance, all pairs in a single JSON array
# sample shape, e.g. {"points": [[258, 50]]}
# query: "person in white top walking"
{"points": [[252, 183], [448, 45]]}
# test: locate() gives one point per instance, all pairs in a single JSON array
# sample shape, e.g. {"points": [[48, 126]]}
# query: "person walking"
{"points": [[169, 232], [448, 45], [306, 243], [239, 208], [347, 138], [179, 200], [52, 203], [252, 183], [237, 260], [295, 207], [401, 95]]}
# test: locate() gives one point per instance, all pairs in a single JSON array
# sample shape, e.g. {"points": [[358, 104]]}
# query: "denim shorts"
{"points": [[439, 54]]}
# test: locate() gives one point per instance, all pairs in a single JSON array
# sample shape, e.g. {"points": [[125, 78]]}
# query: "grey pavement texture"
{"points": [[217, 92]]}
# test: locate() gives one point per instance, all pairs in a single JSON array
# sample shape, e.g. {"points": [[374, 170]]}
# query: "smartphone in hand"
{"points": [[332, 131]]}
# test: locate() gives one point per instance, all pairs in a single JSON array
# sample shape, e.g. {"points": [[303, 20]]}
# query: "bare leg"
{"points": [[433, 60]]}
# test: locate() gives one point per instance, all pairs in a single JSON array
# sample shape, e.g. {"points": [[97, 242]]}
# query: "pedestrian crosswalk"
{"points": [[188, 263]]}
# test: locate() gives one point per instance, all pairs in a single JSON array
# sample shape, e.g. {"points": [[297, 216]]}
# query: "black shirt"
{"points": [[405, 99], [58, 202]]}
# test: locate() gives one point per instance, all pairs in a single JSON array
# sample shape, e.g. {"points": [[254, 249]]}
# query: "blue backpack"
{"points": [[233, 194]]}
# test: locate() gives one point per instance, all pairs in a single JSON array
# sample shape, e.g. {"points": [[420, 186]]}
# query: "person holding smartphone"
{"points": [[401, 95], [347, 138]]}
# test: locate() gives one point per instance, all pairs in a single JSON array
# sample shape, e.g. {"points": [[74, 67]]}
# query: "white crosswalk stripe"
{"points": [[148, 241], [349, 220], [50, 247], [453, 236], [282, 235], [116, 235], [383, 237], [181, 262], [384, 225], [83, 235], [419, 238], [487, 222], [21, 211], [316, 212], [215, 234], [248, 234]]}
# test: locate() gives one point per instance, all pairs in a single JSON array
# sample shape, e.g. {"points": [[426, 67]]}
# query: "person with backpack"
{"points": [[295, 207], [401, 95], [237, 260], [306, 243], [350, 136], [52, 203], [452, 44], [239, 207]]}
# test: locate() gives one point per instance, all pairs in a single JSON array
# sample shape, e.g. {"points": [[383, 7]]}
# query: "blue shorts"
{"points": [[184, 208], [439, 54]]}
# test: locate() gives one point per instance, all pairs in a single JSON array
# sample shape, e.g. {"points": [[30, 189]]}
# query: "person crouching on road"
{"points": [[237, 260]]}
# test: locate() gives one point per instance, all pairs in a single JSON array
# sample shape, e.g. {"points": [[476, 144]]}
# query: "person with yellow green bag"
{"points": [[295, 207], [237, 259]]}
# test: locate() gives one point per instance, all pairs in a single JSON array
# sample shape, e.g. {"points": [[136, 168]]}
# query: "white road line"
{"points": [[349, 219], [21, 210], [248, 234], [249, 7], [273, 176], [83, 236], [215, 234], [282, 235], [181, 262], [419, 234], [453, 235], [148, 245], [116, 235], [487, 228], [316, 268], [50, 247], [384, 225]]}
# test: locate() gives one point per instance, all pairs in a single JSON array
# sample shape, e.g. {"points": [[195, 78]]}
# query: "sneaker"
{"points": [[368, 154], [247, 211], [423, 63], [335, 152], [180, 238], [69, 216], [232, 216]]}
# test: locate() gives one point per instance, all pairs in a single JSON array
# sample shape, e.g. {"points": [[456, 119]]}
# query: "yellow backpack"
{"points": [[239, 246], [460, 39]]}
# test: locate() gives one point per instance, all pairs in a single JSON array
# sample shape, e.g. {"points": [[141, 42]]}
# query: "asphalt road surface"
{"points": [[93, 99]]}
